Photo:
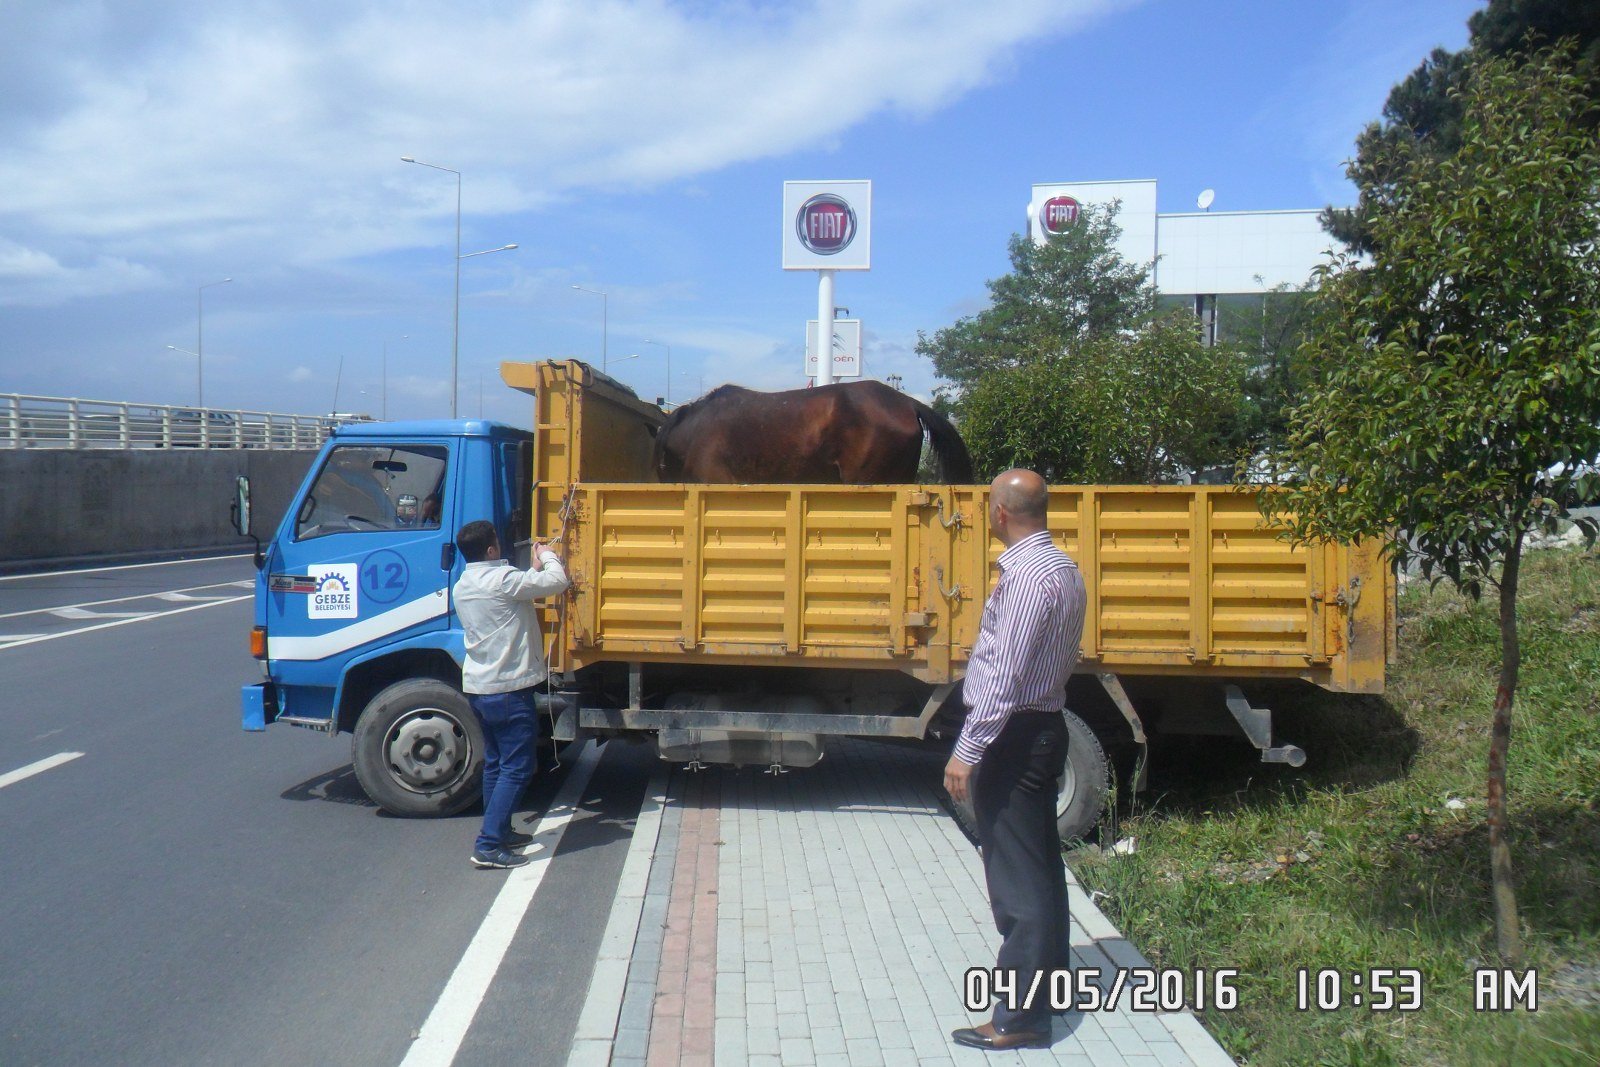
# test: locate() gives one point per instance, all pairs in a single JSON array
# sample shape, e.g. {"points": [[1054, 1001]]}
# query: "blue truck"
{"points": [[353, 620], [747, 624]]}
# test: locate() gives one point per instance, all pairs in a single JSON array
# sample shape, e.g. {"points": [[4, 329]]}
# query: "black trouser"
{"points": [[1014, 799]]}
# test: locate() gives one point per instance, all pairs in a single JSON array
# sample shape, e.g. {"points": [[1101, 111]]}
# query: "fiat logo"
{"points": [[1058, 214], [825, 224]]}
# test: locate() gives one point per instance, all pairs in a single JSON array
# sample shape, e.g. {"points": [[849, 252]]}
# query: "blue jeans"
{"points": [[510, 728]]}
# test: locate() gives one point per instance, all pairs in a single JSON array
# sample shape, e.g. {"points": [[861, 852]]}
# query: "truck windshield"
{"points": [[364, 488]]}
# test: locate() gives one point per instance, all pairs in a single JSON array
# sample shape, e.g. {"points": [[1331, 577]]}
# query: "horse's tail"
{"points": [[955, 462]]}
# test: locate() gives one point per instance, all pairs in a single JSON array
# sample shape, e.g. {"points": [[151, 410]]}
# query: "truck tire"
{"points": [[418, 750], [1085, 786]]}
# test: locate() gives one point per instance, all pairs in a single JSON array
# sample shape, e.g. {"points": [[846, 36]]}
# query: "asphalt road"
{"points": [[184, 892]]}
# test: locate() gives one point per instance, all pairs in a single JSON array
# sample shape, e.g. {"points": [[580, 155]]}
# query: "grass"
{"points": [[1375, 853]]}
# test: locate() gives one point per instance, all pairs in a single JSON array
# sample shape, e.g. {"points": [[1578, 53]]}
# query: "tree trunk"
{"points": [[1508, 935]]}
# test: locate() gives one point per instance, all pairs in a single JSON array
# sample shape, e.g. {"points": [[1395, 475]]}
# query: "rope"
{"points": [[568, 507]]}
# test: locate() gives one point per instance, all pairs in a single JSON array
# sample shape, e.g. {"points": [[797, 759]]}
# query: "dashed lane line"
{"points": [[175, 594], [49, 762], [85, 613], [6, 644], [440, 1037]]}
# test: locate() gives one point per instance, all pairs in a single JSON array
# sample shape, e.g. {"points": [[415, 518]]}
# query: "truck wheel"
{"points": [[1085, 785], [419, 750]]}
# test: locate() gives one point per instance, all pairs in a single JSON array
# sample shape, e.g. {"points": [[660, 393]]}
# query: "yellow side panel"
{"points": [[1181, 579], [849, 568], [744, 547], [1260, 586]]}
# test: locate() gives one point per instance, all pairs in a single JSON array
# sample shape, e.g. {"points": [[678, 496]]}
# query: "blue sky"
{"points": [[633, 146]]}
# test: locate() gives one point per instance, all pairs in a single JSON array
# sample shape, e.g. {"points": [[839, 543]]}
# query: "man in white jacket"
{"points": [[504, 663]]}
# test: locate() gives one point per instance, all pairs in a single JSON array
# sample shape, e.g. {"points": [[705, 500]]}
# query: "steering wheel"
{"points": [[363, 518]]}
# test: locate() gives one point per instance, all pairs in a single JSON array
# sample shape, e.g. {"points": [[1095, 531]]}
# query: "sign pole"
{"points": [[824, 327]]}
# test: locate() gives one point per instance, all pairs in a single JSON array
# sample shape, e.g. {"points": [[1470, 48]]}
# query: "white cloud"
{"points": [[217, 125], [300, 374], [31, 277]]}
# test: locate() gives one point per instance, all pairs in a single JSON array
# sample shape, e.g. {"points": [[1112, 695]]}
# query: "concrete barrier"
{"points": [[58, 503]]}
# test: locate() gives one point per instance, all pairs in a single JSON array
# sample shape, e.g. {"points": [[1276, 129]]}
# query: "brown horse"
{"points": [[862, 433]]}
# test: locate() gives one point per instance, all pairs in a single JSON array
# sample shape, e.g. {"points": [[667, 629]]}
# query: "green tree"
{"points": [[1424, 112], [1268, 339], [1071, 288], [1145, 405], [1452, 375]]}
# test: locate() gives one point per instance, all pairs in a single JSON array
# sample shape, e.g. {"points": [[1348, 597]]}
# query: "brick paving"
{"points": [[826, 917]]}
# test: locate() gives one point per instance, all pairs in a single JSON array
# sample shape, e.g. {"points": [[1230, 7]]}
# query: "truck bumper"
{"points": [[258, 705]]}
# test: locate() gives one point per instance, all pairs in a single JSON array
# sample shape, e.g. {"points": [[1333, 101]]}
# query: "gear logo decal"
{"points": [[336, 593]]}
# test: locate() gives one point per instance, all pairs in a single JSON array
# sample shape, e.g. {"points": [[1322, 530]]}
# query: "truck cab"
{"points": [[353, 618]]}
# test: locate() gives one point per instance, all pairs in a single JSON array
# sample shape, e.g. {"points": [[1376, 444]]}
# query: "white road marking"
{"points": [[121, 567], [125, 599], [441, 1036], [13, 777], [85, 613], [30, 640], [11, 639], [180, 598]]}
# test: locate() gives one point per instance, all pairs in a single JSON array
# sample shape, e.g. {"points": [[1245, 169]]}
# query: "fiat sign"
{"points": [[1058, 214], [827, 225]]}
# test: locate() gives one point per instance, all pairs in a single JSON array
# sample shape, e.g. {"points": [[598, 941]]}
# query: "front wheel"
{"points": [[418, 749], [1085, 786]]}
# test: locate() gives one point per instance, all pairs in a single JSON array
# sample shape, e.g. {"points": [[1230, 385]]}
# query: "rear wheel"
{"points": [[418, 749], [1085, 786]]}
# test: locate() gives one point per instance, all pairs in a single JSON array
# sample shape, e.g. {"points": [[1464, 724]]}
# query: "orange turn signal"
{"points": [[258, 642]]}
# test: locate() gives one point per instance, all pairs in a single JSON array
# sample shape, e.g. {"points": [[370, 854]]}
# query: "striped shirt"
{"points": [[1027, 643]]}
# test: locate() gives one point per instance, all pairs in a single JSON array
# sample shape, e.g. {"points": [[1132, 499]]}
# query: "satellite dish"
{"points": [[1205, 199]]}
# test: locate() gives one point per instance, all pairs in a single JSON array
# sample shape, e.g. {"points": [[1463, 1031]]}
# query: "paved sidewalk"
{"points": [[826, 916]]}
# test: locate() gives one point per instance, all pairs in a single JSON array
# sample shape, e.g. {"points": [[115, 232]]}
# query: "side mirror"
{"points": [[240, 512], [241, 506]]}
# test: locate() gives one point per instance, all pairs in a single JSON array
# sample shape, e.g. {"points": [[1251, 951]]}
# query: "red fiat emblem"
{"points": [[1058, 214], [825, 224]]}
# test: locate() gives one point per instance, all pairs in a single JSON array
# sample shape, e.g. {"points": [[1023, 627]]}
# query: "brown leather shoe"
{"points": [[989, 1039]]}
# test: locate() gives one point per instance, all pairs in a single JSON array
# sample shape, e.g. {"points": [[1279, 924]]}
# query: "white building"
{"points": [[1217, 262]]}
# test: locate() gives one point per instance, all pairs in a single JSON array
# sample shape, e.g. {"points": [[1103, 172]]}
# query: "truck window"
{"points": [[516, 472], [366, 488]]}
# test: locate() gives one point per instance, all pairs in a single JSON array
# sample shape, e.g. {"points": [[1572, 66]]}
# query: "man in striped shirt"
{"points": [[1016, 741]]}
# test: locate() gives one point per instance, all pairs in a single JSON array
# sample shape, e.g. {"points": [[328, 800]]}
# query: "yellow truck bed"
{"points": [[1182, 580]]}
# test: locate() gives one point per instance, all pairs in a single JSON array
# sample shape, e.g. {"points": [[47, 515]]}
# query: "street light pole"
{"points": [[658, 344], [605, 302], [455, 333], [200, 342]]}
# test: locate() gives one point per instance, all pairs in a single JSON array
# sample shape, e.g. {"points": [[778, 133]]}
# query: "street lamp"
{"points": [[604, 313], [658, 344], [200, 342], [455, 335]]}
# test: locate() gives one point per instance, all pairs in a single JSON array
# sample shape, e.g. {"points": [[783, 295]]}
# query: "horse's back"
{"points": [[860, 432]]}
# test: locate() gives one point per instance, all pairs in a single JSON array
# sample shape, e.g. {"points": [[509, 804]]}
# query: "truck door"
{"points": [[370, 530]]}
